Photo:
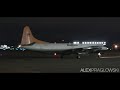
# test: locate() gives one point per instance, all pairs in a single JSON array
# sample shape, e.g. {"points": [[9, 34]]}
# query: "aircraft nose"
{"points": [[105, 48]]}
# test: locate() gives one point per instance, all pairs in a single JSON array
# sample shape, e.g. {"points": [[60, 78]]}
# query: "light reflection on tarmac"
{"points": [[29, 62], [55, 65], [111, 57]]}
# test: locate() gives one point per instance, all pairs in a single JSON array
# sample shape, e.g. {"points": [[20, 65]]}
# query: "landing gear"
{"points": [[78, 56], [99, 55]]}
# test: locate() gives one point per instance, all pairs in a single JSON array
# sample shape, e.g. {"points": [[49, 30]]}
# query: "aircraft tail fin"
{"points": [[28, 38]]}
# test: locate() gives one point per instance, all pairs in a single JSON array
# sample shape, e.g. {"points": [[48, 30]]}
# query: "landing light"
{"points": [[55, 54], [116, 46], [19, 46]]}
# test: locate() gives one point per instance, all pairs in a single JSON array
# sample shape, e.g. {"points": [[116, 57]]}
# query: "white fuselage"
{"points": [[59, 46]]}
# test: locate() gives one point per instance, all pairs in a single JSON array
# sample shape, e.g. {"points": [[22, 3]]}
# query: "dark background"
{"points": [[55, 29]]}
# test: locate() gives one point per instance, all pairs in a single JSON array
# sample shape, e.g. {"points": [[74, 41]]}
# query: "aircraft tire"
{"points": [[78, 57]]}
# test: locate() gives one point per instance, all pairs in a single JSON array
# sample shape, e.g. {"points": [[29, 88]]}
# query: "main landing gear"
{"points": [[78, 56]]}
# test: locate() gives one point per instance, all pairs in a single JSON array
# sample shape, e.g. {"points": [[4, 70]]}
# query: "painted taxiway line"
{"points": [[111, 57]]}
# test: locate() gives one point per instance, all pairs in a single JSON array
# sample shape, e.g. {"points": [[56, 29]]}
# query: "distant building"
{"points": [[4, 47], [94, 42]]}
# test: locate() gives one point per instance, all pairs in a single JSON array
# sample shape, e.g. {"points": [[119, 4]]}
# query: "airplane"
{"points": [[29, 42]]}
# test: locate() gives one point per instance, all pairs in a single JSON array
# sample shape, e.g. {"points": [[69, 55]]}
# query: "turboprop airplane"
{"points": [[31, 43]]}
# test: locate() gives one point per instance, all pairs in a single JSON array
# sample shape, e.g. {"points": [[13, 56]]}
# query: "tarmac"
{"points": [[69, 64]]}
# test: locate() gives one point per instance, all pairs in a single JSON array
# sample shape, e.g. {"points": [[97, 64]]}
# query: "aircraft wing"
{"points": [[89, 49]]}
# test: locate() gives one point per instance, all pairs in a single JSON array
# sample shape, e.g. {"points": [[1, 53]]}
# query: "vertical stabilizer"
{"points": [[27, 37]]}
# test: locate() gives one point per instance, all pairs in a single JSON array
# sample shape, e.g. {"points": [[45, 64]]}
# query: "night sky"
{"points": [[55, 29]]}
